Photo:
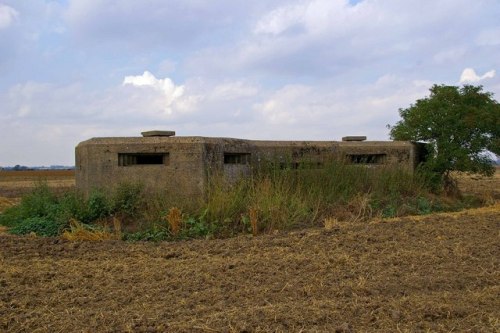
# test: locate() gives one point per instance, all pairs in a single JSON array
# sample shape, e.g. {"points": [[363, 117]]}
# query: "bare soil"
{"points": [[433, 273]]}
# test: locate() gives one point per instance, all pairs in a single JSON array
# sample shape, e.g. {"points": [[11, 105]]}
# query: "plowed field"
{"points": [[437, 273]]}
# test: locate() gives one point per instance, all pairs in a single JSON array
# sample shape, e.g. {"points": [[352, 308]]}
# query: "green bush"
{"points": [[98, 206], [128, 199], [41, 226], [40, 202], [42, 209]]}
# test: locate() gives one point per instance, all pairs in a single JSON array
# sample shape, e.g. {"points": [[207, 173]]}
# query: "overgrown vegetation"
{"points": [[46, 214], [271, 199]]}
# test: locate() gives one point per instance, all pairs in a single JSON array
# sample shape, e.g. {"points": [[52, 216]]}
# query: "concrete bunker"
{"points": [[181, 165]]}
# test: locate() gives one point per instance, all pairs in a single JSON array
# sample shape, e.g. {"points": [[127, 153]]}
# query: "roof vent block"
{"points": [[157, 133], [354, 138]]}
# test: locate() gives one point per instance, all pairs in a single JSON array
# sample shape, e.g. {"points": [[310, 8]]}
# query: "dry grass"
{"points": [[493, 209], [79, 232], [117, 227], [7, 202], [254, 217], [174, 220], [487, 188], [331, 223]]}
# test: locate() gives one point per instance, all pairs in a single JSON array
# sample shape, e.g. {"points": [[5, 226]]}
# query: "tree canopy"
{"points": [[461, 126]]}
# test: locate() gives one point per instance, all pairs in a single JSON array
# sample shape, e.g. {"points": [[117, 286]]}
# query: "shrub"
{"points": [[39, 203], [127, 199], [46, 214], [41, 226], [98, 206]]}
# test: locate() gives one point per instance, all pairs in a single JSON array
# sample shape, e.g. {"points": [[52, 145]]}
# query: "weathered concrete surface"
{"points": [[180, 166], [354, 138]]}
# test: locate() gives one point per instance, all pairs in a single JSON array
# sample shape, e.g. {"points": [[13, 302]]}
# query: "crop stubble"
{"points": [[439, 273], [436, 273]]}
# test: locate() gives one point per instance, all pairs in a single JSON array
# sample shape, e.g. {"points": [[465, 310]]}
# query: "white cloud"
{"points": [[315, 17], [321, 38], [469, 75], [170, 91], [24, 111], [316, 112], [288, 105], [7, 16], [279, 20]]}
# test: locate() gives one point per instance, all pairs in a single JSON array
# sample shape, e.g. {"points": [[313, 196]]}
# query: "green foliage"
{"points": [[127, 199], [41, 226], [98, 206], [424, 206], [46, 214], [41, 202], [459, 125], [197, 227], [73, 205]]}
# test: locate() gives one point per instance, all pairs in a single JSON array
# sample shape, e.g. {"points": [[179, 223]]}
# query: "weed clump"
{"points": [[41, 226], [46, 214]]}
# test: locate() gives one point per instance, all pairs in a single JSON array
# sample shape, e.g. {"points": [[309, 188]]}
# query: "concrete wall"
{"points": [[180, 165], [182, 173]]}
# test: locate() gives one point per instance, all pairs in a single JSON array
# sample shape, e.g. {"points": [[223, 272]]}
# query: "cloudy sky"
{"points": [[264, 69]]}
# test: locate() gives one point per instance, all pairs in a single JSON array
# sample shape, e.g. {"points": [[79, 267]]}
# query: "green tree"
{"points": [[460, 124]]}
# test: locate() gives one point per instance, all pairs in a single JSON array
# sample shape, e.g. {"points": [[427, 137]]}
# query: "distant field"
{"points": [[15, 183], [36, 174], [486, 187]]}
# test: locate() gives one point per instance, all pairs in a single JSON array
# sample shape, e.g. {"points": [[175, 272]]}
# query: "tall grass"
{"points": [[287, 198], [273, 197]]}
